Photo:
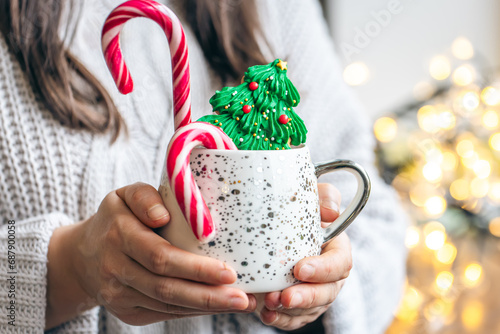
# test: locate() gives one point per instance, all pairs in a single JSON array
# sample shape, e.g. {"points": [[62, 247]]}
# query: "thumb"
{"points": [[329, 202]]}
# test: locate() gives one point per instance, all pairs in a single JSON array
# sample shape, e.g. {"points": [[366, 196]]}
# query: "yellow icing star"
{"points": [[282, 64]]}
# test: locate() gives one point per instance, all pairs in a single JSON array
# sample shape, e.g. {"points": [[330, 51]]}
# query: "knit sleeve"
{"points": [[23, 271], [339, 128]]}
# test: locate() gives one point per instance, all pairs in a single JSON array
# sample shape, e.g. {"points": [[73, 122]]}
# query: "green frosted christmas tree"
{"points": [[258, 114]]}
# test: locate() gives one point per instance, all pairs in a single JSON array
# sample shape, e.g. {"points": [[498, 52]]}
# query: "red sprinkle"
{"points": [[283, 119], [247, 108], [253, 85]]}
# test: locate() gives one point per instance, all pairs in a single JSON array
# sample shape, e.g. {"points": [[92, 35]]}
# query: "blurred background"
{"points": [[428, 73]]}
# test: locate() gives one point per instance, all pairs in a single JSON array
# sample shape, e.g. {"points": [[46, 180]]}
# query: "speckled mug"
{"points": [[265, 208]]}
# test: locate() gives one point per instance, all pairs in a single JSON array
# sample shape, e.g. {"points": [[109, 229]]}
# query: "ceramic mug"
{"points": [[265, 208]]}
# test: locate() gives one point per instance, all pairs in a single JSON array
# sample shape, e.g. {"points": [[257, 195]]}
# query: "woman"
{"points": [[85, 258]]}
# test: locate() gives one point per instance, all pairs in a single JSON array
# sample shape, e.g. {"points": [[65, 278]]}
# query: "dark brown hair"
{"points": [[65, 86], [226, 29]]}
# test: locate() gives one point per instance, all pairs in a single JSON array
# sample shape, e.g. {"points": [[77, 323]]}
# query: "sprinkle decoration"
{"points": [[283, 119], [253, 85], [178, 50], [181, 179]]}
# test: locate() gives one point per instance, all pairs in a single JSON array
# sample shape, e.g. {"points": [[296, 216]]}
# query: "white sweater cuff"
{"points": [[23, 271]]}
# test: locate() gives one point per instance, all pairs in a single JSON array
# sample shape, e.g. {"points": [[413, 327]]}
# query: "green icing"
{"points": [[259, 129]]}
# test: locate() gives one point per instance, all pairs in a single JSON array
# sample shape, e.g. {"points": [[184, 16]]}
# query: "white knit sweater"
{"points": [[51, 175]]}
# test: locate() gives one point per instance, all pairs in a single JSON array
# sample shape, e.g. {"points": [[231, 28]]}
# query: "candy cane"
{"points": [[181, 179], [178, 51]]}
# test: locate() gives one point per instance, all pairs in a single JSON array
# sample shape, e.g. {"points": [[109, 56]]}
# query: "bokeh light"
{"points": [[494, 193], [482, 169], [410, 304], [435, 205], [450, 161], [479, 187], [495, 141], [385, 129], [446, 254], [464, 75], [490, 96], [459, 189], [490, 119], [444, 281], [462, 48], [470, 101], [448, 169], [472, 315], [424, 90], [420, 193], [356, 74], [432, 172], [465, 148], [494, 226], [440, 67], [435, 235], [472, 274], [412, 237]]}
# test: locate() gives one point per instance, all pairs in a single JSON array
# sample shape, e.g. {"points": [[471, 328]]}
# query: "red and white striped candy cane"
{"points": [[181, 179], [178, 51]]}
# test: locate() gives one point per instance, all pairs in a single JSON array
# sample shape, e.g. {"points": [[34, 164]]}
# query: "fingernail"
{"points": [[275, 308], [329, 204], [227, 276], [157, 212], [306, 271], [296, 300], [238, 303]]}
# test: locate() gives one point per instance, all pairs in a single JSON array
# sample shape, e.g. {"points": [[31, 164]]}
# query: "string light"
{"points": [[444, 281], [462, 48], [465, 148], [446, 254], [435, 235], [435, 205], [472, 315], [410, 304], [479, 187], [356, 74], [412, 237], [448, 169], [424, 90], [490, 96], [470, 101], [420, 193], [440, 67], [459, 189], [464, 75], [470, 160], [472, 274], [494, 193], [385, 129], [449, 162], [482, 169], [495, 141], [432, 172], [432, 120], [490, 119], [494, 226]]}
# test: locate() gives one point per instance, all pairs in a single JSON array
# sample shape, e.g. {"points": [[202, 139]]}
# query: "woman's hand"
{"points": [[323, 277], [117, 261]]}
